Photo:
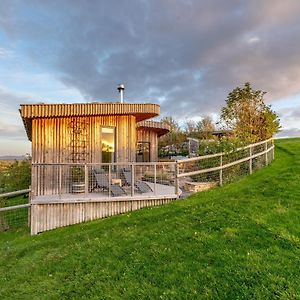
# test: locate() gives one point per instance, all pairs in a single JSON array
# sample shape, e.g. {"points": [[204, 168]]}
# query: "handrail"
{"points": [[108, 164], [16, 193], [178, 169], [223, 153], [8, 208], [224, 166]]}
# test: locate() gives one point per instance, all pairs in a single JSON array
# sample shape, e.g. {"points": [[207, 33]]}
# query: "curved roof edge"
{"points": [[142, 111], [159, 127]]}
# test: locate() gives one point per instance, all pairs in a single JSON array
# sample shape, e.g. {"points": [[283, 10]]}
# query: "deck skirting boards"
{"points": [[54, 215]]}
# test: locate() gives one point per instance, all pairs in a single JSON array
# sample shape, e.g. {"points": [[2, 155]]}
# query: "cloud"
{"points": [[10, 101], [296, 113], [290, 114], [5, 53], [11, 126], [292, 132], [185, 55], [12, 131], [253, 40]]}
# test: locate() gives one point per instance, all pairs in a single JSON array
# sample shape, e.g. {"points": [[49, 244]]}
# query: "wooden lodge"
{"points": [[80, 138], [96, 160], [62, 133]]}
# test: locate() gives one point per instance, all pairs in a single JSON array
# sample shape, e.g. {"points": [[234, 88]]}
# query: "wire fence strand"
{"points": [[14, 212]]}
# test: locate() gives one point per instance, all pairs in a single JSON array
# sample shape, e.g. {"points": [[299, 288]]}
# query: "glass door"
{"points": [[108, 144], [143, 152]]}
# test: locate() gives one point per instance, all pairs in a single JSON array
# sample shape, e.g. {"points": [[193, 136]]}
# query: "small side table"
{"points": [[116, 181]]}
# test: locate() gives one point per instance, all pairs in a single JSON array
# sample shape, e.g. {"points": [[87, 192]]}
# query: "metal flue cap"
{"points": [[121, 87]]}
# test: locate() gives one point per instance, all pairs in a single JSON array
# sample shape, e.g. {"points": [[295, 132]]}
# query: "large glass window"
{"points": [[108, 144], [143, 152]]}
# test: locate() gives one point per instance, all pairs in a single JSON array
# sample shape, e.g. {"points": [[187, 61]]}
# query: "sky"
{"points": [[185, 55]]}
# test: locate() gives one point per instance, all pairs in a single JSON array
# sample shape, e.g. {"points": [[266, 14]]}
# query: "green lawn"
{"points": [[240, 241]]}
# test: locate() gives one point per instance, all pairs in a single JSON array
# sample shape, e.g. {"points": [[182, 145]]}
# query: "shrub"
{"points": [[16, 176]]}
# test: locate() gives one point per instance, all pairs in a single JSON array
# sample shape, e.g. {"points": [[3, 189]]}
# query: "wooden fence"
{"points": [[50, 208], [217, 163], [14, 212], [12, 194]]}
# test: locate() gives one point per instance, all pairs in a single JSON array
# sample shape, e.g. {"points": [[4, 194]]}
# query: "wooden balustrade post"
{"points": [[109, 180], [59, 181], [155, 179], [86, 180], [177, 178], [132, 179]]}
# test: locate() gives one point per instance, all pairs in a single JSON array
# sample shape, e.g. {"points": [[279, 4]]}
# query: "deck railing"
{"points": [[106, 180], [69, 193], [67, 181]]}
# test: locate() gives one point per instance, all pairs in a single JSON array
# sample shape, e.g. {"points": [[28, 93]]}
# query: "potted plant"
{"points": [[77, 179]]}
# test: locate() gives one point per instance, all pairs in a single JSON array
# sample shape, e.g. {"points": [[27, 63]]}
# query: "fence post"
{"points": [[250, 160], [221, 170], [266, 154], [176, 178], [86, 180], [155, 179], [273, 150], [132, 179]]}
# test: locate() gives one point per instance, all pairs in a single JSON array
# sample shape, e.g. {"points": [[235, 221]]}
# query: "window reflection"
{"points": [[108, 144], [143, 152]]}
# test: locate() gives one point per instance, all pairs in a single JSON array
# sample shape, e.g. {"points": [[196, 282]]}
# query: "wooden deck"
{"points": [[159, 191], [54, 211]]}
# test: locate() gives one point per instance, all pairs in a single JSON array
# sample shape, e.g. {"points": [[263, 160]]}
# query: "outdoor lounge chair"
{"points": [[141, 186], [102, 183]]}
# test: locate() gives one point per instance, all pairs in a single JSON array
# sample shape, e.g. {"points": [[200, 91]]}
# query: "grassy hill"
{"points": [[239, 241]]}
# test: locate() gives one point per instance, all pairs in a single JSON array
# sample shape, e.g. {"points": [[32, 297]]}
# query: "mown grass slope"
{"points": [[241, 241]]}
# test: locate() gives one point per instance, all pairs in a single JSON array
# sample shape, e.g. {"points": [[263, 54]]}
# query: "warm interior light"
{"points": [[107, 130], [108, 139], [107, 146]]}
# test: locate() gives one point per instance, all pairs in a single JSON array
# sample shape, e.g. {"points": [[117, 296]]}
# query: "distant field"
{"points": [[239, 241], [4, 164], [12, 158]]}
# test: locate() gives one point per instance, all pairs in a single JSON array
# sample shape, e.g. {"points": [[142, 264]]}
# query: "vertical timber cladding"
{"points": [[54, 215], [51, 138], [52, 142], [125, 138], [147, 135]]}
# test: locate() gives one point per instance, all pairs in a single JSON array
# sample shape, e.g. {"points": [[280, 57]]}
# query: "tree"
{"points": [[175, 134], [16, 176], [247, 116], [190, 129], [205, 128], [174, 127]]}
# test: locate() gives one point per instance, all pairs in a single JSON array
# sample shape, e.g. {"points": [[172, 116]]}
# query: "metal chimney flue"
{"points": [[121, 89]]}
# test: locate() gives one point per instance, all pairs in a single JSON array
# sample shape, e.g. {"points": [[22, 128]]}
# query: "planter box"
{"points": [[78, 187]]}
